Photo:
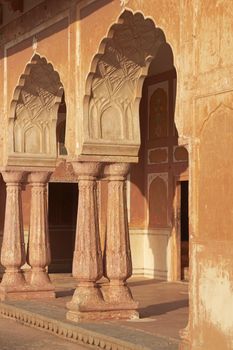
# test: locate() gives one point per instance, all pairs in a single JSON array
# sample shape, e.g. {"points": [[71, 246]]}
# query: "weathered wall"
{"points": [[208, 101]]}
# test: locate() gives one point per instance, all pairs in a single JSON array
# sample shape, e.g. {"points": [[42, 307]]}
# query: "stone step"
{"points": [[108, 336]]}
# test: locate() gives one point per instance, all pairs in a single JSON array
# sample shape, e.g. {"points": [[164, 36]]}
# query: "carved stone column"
{"points": [[39, 255], [13, 249], [87, 260], [118, 264]]}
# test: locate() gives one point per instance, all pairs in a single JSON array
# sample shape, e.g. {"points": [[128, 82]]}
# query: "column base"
{"points": [[118, 294], [26, 292], [13, 279], [84, 308], [88, 304], [94, 315], [40, 278], [87, 297]]}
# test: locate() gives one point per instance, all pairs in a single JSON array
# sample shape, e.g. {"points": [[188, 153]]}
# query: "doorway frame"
{"points": [[61, 180], [175, 267]]}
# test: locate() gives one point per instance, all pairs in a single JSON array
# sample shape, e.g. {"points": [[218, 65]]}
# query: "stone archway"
{"points": [[114, 86], [30, 158], [111, 140]]}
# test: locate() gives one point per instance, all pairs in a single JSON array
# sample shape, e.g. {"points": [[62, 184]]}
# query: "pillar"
{"points": [[87, 301], [118, 264], [13, 248], [39, 256]]}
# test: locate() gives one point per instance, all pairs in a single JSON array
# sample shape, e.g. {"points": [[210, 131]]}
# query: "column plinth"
{"points": [[13, 248], [118, 264], [39, 256], [87, 300]]}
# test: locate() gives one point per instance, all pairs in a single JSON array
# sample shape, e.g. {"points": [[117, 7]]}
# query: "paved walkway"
{"points": [[14, 336], [163, 309], [163, 306]]}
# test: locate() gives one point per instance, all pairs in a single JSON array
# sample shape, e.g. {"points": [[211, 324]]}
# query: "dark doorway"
{"points": [[63, 202], [184, 227]]}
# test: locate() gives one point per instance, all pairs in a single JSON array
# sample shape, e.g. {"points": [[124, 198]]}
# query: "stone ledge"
{"points": [[74, 334], [77, 334]]}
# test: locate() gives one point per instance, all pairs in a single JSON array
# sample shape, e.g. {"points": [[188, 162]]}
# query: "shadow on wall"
{"points": [[41, 11], [153, 203]]}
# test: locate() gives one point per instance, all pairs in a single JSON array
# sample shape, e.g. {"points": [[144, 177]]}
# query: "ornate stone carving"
{"points": [[123, 3], [114, 86], [34, 111]]}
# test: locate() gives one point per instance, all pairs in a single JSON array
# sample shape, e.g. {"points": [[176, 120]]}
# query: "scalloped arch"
{"points": [[36, 59], [35, 103], [102, 47], [116, 77]]}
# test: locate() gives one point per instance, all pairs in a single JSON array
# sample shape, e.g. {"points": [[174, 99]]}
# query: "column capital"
{"points": [[39, 177], [86, 170], [117, 171], [13, 177]]}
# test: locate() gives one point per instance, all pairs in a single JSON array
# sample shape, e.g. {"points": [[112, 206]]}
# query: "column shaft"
{"points": [[87, 260], [13, 249], [39, 248], [118, 264]]}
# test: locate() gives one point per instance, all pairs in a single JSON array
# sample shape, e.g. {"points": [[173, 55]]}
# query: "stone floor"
{"points": [[14, 336], [163, 306], [163, 309]]}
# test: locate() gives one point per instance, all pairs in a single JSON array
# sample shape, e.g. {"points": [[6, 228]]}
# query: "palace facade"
{"points": [[116, 147]]}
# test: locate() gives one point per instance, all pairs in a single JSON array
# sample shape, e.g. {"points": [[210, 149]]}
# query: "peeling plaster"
{"points": [[216, 296]]}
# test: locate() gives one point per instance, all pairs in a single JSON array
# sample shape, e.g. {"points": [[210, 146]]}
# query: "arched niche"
{"points": [[111, 124], [158, 202], [34, 114], [115, 84]]}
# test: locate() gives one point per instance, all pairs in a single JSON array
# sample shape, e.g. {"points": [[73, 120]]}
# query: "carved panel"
{"points": [[35, 114], [114, 86], [111, 124], [158, 155], [180, 154]]}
